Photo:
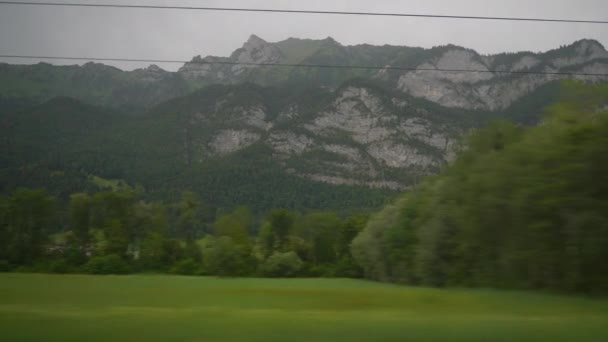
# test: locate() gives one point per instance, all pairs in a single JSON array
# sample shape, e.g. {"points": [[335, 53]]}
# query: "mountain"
{"points": [[93, 83], [358, 134], [240, 134], [144, 88], [297, 147]]}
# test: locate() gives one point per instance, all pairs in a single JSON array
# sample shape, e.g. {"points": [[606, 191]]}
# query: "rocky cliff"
{"points": [[359, 134]]}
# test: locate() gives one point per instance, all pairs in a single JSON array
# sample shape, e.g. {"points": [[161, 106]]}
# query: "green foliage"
{"points": [[154, 252], [59, 266], [118, 223], [80, 217], [235, 225], [29, 216], [321, 230], [280, 224], [223, 257], [282, 265], [5, 266], [74, 251], [187, 267], [95, 83], [188, 215], [519, 208], [110, 184], [107, 264]]}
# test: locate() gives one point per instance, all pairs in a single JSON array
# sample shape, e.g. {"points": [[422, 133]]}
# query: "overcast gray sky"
{"points": [[178, 34]]}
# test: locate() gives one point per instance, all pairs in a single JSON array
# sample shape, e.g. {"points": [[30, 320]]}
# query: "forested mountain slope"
{"points": [[298, 147]]}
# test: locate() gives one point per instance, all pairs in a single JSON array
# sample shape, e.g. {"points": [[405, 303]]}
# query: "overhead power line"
{"points": [[292, 65], [269, 10]]}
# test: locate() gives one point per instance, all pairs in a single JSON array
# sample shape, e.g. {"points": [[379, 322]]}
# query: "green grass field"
{"points": [[171, 308]]}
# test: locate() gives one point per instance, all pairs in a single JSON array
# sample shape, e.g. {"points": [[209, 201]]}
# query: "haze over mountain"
{"points": [[302, 137]]}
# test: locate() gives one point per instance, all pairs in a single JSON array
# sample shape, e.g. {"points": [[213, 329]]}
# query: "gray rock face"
{"points": [[233, 68], [356, 112], [289, 143], [360, 137], [373, 135], [495, 90], [199, 68], [525, 63], [228, 141], [256, 117], [585, 51], [256, 51]]}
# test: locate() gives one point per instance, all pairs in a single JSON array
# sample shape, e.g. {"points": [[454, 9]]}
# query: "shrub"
{"points": [[5, 266], [108, 264], [282, 265], [186, 267], [59, 266], [222, 257], [347, 268]]}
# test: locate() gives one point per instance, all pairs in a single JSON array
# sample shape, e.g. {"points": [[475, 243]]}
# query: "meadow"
{"points": [[39, 307]]}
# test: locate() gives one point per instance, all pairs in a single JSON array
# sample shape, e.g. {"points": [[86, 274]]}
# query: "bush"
{"points": [[222, 257], [108, 264], [186, 267], [5, 266], [59, 266], [74, 257], [282, 265], [347, 268], [38, 267]]}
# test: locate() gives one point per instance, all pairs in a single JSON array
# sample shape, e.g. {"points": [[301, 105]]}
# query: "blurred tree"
{"points": [[29, 216], [235, 225], [189, 216], [80, 211], [282, 264]]}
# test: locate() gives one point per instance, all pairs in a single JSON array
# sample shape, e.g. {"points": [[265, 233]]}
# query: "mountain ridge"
{"points": [[145, 87]]}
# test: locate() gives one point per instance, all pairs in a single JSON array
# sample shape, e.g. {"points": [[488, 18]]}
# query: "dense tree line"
{"points": [[117, 232], [520, 208]]}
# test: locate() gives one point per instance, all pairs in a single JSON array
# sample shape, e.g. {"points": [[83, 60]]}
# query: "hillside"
{"points": [[295, 147]]}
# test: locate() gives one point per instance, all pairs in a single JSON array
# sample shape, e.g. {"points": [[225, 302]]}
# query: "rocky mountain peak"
{"points": [[580, 52], [588, 45], [257, 50], [331, 41], [154, 68], [255, 40], [590, 48]]}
